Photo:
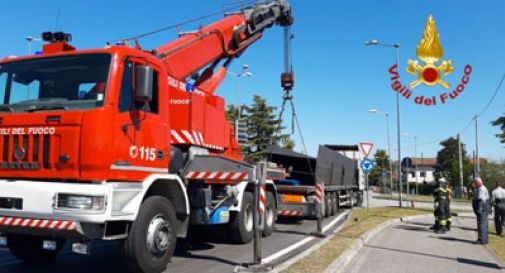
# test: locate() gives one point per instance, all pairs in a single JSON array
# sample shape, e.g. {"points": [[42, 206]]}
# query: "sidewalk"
{"points": [[412, 247]]}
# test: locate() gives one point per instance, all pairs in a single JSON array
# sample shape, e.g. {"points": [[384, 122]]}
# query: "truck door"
{"points": [[140, 130]]}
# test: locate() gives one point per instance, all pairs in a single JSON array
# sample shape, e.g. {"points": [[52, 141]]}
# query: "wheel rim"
{"points": [[248, 218], [159, 235]]}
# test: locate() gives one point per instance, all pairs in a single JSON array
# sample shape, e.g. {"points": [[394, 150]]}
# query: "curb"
{"points": [[339, 265], [281, 267]]}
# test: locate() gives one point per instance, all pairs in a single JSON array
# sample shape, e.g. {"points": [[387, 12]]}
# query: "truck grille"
{"points": [[30, 152]]}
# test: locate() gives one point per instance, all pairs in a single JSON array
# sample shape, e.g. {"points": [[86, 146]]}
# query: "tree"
{"points": [[376, 177], [492, 172], [501, 123], [232, 112], [448, 161], [263, 129]]}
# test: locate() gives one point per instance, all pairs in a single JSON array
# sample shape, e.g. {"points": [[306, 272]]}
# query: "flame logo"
{"points": [[429, 50]]}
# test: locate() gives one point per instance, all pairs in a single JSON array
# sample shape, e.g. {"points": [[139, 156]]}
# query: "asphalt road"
{"points": [[204, 252]]}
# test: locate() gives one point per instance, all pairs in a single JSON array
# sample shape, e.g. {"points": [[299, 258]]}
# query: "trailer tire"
{"points": [[241, 224], [334, 204], [270, 215], [152, 238], [359, 199], [327, 204], [29, 248]]}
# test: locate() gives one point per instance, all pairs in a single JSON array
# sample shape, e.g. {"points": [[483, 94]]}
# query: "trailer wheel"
{"points": [[327, 204], [334, 205], [359, 198], [270, 215], [241, 224], [29, 248], [152, 237]]}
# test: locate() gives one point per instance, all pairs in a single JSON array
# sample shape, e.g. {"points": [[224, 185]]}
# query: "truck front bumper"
{"points": [[39, 213]]}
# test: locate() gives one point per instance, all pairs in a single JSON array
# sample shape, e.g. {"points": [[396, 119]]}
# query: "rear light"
{"points": [[289, 198], [81, 202]]}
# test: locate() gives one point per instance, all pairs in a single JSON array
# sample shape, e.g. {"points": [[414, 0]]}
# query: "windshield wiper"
{"points": [[46, 107]]}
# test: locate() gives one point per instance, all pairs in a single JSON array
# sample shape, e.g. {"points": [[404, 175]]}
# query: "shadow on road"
{"points": [[417, 223], [458, 259], [412, 228], [453, 239]]}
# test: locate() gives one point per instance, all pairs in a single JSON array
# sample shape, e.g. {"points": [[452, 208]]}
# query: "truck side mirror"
{"points": [[144, 83]]}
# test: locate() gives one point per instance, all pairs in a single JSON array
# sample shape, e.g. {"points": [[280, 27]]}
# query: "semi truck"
{"points": [[296, 176], [129, 144]]}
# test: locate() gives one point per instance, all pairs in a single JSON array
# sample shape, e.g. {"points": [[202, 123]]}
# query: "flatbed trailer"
{"points": [[336, 167]]}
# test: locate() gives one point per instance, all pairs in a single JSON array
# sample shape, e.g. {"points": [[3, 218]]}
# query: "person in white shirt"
{"points": [[481, 207], [498, 201]]}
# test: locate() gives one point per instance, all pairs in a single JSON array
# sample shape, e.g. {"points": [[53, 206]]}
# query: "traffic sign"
{"points": [[367, 165], [366, 148]]}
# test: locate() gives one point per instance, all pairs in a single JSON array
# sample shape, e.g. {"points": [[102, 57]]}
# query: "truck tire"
{"points": [[152, 237], [270, 215], [241, 224], [327, 204], [29, 248], [334, 209], [359, 199]]}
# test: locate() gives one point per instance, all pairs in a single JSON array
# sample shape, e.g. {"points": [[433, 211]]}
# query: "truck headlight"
{"points": [[83, 202]]}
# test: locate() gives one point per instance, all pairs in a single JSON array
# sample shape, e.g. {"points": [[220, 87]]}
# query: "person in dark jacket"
{"points": [[440, 203], [481, 208], [447, 209], [498, 201]]}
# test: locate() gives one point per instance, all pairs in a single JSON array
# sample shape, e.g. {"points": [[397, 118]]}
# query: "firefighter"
{"points": [[440, 200], [447, 209]]}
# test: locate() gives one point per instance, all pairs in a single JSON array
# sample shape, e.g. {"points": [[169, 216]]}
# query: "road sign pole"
{"points": [[367, 193]]}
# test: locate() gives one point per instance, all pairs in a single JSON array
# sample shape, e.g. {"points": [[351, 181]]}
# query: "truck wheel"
{"points": [[241, 224], [327, 204], [359, 199], [270, 213], [152, 237], [333, 204], [29, 248]]}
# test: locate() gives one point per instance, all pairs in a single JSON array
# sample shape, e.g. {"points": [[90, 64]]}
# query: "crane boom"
{"points": [[222, 40]]}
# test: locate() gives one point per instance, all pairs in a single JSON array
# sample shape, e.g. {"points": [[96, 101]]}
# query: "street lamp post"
{"points": [[243, 73], [396, 46], [30, 39], [375, 111], [415, 156]]}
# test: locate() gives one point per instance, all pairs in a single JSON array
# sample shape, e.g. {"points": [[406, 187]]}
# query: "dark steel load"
{"points": [[335, 169]]}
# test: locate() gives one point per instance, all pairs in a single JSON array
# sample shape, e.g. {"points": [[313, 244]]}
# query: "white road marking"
{"points": [[290, 248], [286, 250], [332, 223]]}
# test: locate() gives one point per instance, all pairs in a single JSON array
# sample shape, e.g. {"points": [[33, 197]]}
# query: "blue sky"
{"points": [[337, 78]]}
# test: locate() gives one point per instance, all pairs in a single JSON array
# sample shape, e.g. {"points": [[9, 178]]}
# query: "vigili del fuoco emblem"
{"points": [[430, 51], [429, 70]]}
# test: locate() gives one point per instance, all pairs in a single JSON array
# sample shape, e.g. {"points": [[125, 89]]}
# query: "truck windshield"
{"points": [[54, 83]]}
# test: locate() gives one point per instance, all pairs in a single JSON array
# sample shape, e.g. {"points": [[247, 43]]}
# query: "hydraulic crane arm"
{"points": [[222, 40]]}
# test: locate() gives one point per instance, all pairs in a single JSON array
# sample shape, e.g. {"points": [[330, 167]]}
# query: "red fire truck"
{"points": [[123, 143]]}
